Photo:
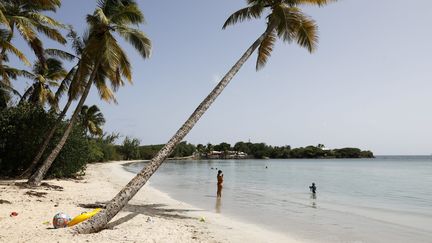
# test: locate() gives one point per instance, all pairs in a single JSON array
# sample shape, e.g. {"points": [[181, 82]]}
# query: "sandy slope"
{"points": [[170, 220]]}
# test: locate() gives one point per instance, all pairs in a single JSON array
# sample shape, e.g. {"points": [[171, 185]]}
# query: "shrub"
{"points": [[22, 130]]}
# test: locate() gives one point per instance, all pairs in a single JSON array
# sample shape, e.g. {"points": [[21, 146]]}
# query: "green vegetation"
{"points": [[262, 150], [103, 148], [22, 130], [103, 61], [147, 152]]}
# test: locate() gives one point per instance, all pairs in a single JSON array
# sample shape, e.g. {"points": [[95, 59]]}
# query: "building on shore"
{"points": [[214, 154]]}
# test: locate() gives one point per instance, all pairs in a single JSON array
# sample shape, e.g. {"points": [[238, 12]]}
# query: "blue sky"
{"points": [[368, 84]]}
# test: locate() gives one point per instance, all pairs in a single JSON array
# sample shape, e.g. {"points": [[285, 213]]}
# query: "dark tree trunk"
{"points": [[100, 220]]}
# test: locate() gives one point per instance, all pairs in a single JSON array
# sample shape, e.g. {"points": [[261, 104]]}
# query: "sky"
{"points": [[368, 85]]}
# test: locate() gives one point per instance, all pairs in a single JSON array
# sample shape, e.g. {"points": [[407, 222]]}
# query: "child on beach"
{"points": [[219, 183]]}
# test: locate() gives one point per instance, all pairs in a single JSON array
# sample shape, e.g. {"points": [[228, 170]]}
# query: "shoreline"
{"points": [[151, 216]]}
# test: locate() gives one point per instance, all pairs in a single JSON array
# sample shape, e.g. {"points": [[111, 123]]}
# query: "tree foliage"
{"points": [[130, 148], [22, 130]]}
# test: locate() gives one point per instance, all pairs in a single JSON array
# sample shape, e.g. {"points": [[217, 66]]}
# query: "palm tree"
{"points": [[286, 21], [92, 119], [25, 16], [64, 85], [44, 77], [106, 59], [73, 86]]}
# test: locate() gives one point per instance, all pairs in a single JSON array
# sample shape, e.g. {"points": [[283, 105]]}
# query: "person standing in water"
{"points": [[219, 183], [313, 188]]}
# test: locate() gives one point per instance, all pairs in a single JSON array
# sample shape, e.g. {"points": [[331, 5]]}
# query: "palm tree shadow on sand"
{"points": [[151, 210]]}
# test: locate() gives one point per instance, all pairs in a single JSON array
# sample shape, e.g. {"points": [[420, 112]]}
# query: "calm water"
{"points": [[388, 199]]}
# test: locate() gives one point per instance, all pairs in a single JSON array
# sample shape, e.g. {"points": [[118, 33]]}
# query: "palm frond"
{"points": [[265, 49], [37, 46], [77, 83], [41, 5], [100, 17], [51, 33], [3, 19], [60, 54], [306, 33], [64, 85], [295, 25], [129, 14], [23, 25], [27, 94], [115, 59], [77, 43], [9, 88], [43, 19], [13, 72], [311, 2], [105, 93], [9, 47], [137, 38], [285, 18], [250, 12], [50, 98]]}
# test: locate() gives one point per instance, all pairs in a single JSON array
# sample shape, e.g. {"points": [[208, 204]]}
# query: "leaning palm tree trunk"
{"points": [[36, 178], [99, 221], [47, 139]]}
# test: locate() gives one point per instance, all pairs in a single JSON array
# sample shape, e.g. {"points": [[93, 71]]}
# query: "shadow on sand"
{"points": [[151, 210]]}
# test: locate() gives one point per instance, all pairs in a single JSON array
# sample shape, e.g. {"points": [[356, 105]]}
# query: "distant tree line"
{"points": [[130, 149], [262, 150]]}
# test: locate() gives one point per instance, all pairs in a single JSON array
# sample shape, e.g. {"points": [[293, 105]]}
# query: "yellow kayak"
{"points": [[84, 216]]}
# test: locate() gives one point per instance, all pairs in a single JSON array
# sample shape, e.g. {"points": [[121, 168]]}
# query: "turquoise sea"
{"points": [[386, 199]]}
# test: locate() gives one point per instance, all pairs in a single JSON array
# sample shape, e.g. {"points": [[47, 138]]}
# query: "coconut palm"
{"points": [[286, 21], [91, 118], [25, 16], [73, 87], [44, 78], [106, 59]]}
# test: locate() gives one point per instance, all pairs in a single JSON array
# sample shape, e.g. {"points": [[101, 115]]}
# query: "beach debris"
{"points": [[4, 201], [202, 219], [44, 185], [61, 220], [53, 187], [149, 220], [36, 194], [46, 222], [13, 214], [92, 205]]}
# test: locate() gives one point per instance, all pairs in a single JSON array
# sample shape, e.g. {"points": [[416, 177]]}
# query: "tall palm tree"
{"points": [[73, 87], [286, 21], [25, 16], [106, 59], [44, 77], [92, 119]]}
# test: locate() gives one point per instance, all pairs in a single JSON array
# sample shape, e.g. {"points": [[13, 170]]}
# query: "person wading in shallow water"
{"points": [[313, 188], [219, 183]]}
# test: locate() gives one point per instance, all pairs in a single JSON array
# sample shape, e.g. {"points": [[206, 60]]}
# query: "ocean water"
{"points": [[386, 199]]}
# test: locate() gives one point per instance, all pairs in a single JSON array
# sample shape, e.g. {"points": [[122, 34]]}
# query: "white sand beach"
{"points": [[151, 216]]}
